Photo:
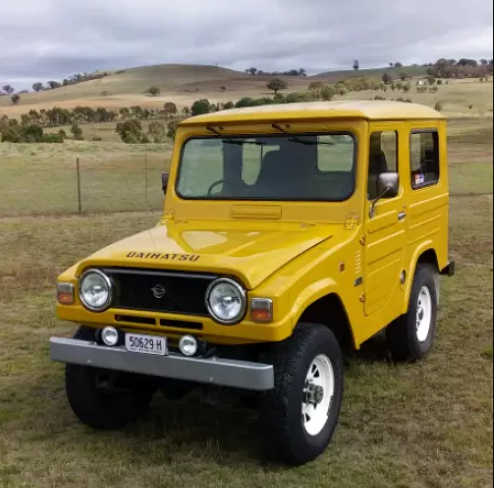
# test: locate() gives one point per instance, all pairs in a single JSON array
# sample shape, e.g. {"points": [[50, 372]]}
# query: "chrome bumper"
{"points": [[214, 371]]}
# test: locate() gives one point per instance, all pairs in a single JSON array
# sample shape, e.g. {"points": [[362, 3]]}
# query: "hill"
{"points": [[184, 84]]}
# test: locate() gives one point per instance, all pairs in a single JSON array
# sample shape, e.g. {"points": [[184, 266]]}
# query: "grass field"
{"points": [[403, 426]]}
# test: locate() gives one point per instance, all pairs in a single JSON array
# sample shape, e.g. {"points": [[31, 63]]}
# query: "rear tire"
{"points": [[411, 337], [123, 400], [299, 417]]}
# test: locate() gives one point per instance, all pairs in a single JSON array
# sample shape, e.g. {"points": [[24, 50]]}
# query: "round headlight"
{"points": [[226, 301], [95, 291]]}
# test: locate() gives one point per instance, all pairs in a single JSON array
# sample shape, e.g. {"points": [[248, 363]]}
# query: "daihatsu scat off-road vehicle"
{"points": [[289, 234]]}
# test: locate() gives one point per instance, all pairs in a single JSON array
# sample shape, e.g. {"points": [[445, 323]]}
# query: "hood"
{"points": [[251, 255]]}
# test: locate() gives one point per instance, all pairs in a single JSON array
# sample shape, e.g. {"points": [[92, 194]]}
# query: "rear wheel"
{"points": [[411, 337], [105, 400], [299, 417]]}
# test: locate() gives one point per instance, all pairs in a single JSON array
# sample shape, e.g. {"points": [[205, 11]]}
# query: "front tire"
{"points": [[411, 337], [299, 417], [105, 400]]}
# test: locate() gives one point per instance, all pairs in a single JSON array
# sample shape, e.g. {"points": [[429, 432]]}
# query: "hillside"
{"points": [[184, 84]]}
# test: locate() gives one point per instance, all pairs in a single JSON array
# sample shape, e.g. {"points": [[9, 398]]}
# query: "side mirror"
{"points": [[388, 187], [165, 179]]}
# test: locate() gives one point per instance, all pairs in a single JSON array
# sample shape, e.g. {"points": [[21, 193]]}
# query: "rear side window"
{"points": [[425, 159], [383, 158]]}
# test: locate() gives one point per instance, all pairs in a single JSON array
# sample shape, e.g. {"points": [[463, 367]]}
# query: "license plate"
{"points": [[144, 344]]}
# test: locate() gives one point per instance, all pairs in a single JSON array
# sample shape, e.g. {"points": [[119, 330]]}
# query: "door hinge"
{"points": [[363, 241], [363, 298]]}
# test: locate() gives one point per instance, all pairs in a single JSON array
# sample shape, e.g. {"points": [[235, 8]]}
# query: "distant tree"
{"points": [[276, 85], [431, 80], [77, 132], [62, 134], [399, 85], [393, 86], [356, 65], [252, 71], [439, 107], [228, 106], [407, 87], [391, 65], [186, 112], [302, 72], [387, 79], [440, 82], [15, 99], [170, 109], [37, 87], [403, 77], [201, 107], [154, 91], [54, 85], [104, 93], [398, 65], [32, 133], [8, 89], [11, 134]]}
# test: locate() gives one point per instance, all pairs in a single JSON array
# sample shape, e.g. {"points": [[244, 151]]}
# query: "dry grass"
{"points": [[403, 426], [184, 84]]}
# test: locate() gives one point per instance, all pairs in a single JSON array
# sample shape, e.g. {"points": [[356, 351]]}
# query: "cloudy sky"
{"points": [[51, 39]]}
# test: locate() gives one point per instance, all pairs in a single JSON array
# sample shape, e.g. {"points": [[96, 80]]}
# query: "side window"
{"points": [[425, 159], [383, 158]]}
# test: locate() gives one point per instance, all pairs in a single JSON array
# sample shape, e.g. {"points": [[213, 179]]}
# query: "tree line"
{"points": [[293, 72], [463, 68]]}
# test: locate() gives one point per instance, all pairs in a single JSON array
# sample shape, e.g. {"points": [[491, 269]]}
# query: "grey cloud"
{"points": [[54, 38]]}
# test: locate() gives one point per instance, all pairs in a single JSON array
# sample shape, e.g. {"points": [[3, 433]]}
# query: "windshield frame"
{"points": [[227, 137]]}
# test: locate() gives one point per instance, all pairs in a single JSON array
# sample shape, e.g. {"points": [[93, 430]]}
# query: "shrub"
{"points": [[157, 132], [32, 133], [77, 132], [245, 102], [97, 139], [439, 107], [201, 107], [15, 99], [11, 134], [52, 139], [172, 129], [130, 131]]}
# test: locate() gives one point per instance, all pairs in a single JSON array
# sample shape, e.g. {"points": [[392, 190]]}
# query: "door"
{"points": [[386, 230]]}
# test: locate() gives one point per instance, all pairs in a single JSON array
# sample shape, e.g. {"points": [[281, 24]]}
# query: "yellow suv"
{"points": [[290, 233]]}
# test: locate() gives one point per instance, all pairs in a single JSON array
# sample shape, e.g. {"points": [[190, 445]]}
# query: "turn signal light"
{"points": [[65, 293], [262, 310]]}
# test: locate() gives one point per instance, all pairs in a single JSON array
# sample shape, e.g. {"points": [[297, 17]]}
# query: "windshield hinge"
{"points": [[363, 298], [363, 240]]}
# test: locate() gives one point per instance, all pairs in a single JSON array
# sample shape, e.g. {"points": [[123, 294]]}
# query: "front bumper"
{"points": [[215, 371]]}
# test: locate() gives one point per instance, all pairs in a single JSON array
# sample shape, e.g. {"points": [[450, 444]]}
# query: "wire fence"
{"points": [[82, 185]]}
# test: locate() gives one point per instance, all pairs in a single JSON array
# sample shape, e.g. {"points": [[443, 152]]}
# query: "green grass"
{"points": [[428, 425], [42, 179]]}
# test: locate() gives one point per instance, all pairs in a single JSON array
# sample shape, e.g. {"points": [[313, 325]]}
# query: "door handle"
{"points": [[402, 216]]}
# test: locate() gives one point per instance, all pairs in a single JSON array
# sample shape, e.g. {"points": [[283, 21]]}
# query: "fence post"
{"points": [[79, 191], [146, 183]]}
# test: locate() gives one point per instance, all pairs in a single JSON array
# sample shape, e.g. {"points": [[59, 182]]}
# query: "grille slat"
{"points": [[183, 293]]}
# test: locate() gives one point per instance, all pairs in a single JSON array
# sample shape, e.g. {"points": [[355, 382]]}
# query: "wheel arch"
{"points": [[425, 254], [329, 310]]}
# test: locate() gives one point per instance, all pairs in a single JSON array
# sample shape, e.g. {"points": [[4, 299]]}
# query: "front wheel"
{"points": [[105, 400], [411, 337], [299, 417]]}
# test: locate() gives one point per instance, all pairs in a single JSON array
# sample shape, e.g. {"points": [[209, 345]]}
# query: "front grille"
{"points": [[158, 291]]}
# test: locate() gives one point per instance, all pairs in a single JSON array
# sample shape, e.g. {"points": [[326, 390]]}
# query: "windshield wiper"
{"points": [[236, 142], [299, 140]]}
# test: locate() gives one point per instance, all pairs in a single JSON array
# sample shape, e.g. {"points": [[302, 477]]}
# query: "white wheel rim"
{"points": [[424, 314], [319, 392]]}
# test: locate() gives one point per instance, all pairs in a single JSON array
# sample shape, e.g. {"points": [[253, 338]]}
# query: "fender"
{"points": [[314, 293], [422, 249]]}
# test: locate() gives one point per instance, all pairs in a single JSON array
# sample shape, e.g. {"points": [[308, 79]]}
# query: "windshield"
{"points": [[279, 168]]}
